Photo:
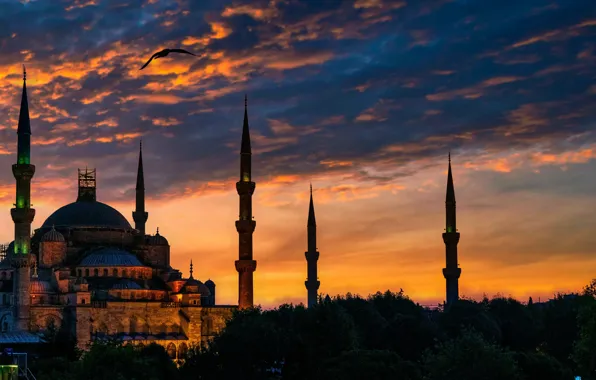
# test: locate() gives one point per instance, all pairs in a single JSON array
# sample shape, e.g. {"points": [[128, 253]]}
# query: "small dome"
{"points": [[37, 286], [157, 239], [53, 236], [210, 284], [195, 286], [106, 257]]}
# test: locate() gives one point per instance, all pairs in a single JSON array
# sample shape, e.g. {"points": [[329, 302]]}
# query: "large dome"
{"points": [[87, 214]]}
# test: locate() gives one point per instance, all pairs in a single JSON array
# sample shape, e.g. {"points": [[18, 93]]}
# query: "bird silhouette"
{"points": [[163, 53]]}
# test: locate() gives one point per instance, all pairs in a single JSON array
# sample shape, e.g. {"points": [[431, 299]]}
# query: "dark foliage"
{"points": [[538, 365], [370, 365], [469, 357], [584, 352], [385, 336]]}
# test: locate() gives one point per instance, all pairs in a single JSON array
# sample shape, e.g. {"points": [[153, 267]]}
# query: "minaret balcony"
{"points": [[23, 171], [22, 215], [451, 237], [246, 266], [20, 261], [245, 226], [311, 255], [139, 216], [451, 272], [245, 187]]}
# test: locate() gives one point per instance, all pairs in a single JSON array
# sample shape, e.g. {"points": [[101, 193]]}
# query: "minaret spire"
{"points": [[22, 214], [24, 127], [452, 271], [312, 282], [140, 216], [190, 270], [245, 225], [245, 146]]}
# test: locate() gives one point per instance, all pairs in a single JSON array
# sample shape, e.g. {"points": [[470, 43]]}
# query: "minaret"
{"points": [[22, 214], [190, 276], [140, 215], [312, 255], [451, 272], [245, 225]]}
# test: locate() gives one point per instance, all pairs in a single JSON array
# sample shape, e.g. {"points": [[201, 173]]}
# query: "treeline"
{"points": [[385, 336]]}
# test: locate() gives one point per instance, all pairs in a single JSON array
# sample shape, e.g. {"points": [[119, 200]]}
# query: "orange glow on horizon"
{"points": [[371, 237]]}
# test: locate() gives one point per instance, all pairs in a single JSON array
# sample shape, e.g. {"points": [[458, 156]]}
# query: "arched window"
{"points": [[182, 350], [133, 326], [124, 273], [115, 272], [96, 272], [80, 271], [83, 301], [87, 272], [105, 272]]}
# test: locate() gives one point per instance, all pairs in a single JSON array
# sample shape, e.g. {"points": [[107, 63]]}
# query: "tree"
{"points": [[112, 361], [466, 314], [370, 365], [590, 289], [538, 365], [469, 357], [249, 347], [585, 346], [370, 324], [519, 330], [560, 327]]}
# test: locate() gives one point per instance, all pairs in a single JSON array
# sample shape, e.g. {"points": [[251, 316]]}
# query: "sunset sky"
{"points": [[362, 98]]}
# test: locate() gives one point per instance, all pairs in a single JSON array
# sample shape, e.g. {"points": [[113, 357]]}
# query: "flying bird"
{"points": [[163, 53]]}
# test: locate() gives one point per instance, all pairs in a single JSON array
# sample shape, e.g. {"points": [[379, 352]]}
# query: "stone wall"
{"points": [[52, 253], [44, 316], [198, 324]]}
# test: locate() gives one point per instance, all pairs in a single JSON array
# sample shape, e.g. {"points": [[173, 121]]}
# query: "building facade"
{"points": [[88, 272]]}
